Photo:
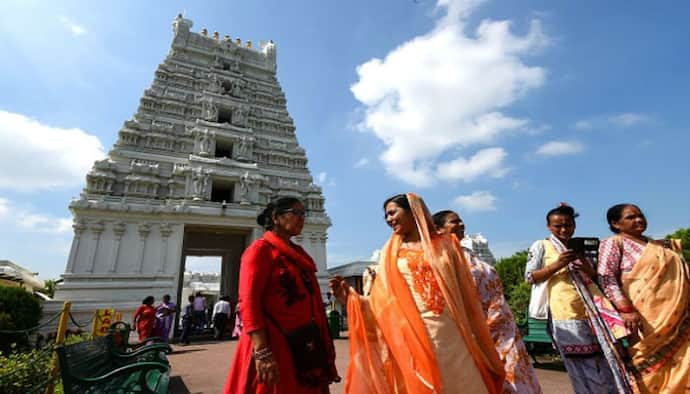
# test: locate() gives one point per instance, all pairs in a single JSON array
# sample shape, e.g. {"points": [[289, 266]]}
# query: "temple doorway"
{"points": [[214, 252]]}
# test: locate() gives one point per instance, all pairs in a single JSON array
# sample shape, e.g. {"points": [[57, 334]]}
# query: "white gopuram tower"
{"points": [[210, 144]]}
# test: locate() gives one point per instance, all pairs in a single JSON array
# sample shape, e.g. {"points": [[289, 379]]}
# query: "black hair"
{"points": [[439, 218], [190, 298], [277, 206], [148, 300], [400, 200], [615, 213], [563, 209], [166, 296]]}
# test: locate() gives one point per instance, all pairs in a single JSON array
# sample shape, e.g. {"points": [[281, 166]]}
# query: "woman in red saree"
{"points": [[279, 296], [145, 319], [647, 281], [422, 329]]}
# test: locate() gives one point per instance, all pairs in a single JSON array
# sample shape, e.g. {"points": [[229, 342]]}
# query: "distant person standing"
{"points": [[187, 320], [237, 330], [221, 312], [200, 310], [165, 313], [145, 319]]}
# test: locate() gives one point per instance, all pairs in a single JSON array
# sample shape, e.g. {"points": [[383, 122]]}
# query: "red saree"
{"points": [[271, 282]]}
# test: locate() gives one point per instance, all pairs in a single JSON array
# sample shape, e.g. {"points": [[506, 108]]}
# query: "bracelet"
{"points": [[625, 309], [262, 354]]}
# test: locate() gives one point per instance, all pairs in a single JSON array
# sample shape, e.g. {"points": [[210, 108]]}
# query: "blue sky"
{"points": [[499, 110]]}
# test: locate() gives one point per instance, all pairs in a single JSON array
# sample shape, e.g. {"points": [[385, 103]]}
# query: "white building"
{"points": [[479, 246], [209, 145]]}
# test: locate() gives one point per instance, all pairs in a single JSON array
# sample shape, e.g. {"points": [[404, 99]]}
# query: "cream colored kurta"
{"points": [[450, 349]]}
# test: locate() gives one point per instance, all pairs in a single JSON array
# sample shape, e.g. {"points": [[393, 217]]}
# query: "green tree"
{"points": [[50, 285], [517, 291], [684, 235]]}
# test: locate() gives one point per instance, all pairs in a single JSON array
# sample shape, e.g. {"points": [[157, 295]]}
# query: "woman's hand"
{"points": [[340, 288], [632, 321], [566, 258], [267, 370], [583, 265]]}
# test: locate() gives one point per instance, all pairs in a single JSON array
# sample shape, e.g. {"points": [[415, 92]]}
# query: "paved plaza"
{"points": [[203, 367]]}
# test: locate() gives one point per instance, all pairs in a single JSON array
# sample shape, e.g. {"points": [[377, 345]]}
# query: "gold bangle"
{"points": [[262, 354]]}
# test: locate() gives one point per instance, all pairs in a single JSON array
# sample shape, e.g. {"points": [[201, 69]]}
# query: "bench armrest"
{"points": [[126, 370], [164, 347]]}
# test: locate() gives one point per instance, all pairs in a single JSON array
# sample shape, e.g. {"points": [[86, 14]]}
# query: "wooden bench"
{"points": [[152, 349], [94, 366], [535, 333]]}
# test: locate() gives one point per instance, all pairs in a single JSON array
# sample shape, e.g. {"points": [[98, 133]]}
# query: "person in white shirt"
{"points": [[221, 312]]}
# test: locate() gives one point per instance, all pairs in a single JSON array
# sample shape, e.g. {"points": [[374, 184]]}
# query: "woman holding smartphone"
{"points": [[552, 262]]}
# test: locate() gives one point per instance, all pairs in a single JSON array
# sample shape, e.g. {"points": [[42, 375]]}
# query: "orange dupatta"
{"points": [[387, 333]]}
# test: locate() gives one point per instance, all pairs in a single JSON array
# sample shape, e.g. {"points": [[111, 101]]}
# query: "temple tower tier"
{"points": [[209, 145]]}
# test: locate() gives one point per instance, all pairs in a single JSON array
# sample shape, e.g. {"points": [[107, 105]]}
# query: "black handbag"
{"points": [[307, 347]]}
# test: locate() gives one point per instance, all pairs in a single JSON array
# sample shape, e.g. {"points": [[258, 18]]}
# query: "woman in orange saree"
{"points": [[422, 329], [648, 283]]}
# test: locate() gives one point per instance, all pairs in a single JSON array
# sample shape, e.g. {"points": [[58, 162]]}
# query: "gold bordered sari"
{"points": [[659, 289], [390, 346]]}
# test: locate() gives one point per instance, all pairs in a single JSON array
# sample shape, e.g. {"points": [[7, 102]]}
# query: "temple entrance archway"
{"points": [[226, 243]]}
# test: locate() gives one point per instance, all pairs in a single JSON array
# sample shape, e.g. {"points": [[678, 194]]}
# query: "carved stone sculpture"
{"points": [[243, 147], [204, 143], [240, 116], [210, 111], [246, 183]]}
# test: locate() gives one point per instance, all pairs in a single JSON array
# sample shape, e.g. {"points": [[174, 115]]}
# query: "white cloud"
{"points": [[73, 28], [324, 180], [628, 119], [27, 220], [4, 207], [603, 122], [486, 162], [583, 125], [445, 89], [478, 201], [560, 148], [363, 162], [35, 156]]}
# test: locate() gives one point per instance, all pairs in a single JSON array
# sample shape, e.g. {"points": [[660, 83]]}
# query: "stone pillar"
{"points": [[118, 231], [97, 229], [144, 230], [165, 230], [79, 228]]}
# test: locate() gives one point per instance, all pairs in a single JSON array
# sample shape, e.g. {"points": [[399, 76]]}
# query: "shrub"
{"points": [[25, 372], [684, 235], [20, 311], [519, 302]]}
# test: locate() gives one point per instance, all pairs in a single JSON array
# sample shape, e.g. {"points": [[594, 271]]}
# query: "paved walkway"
{"points": [[203, 367]]}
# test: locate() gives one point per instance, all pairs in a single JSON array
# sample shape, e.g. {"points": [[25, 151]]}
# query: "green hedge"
{"points": [[27, 371], [19, 310]]}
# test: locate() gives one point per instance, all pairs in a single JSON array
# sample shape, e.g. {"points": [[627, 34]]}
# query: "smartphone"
{"points": [[583, 244]]}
